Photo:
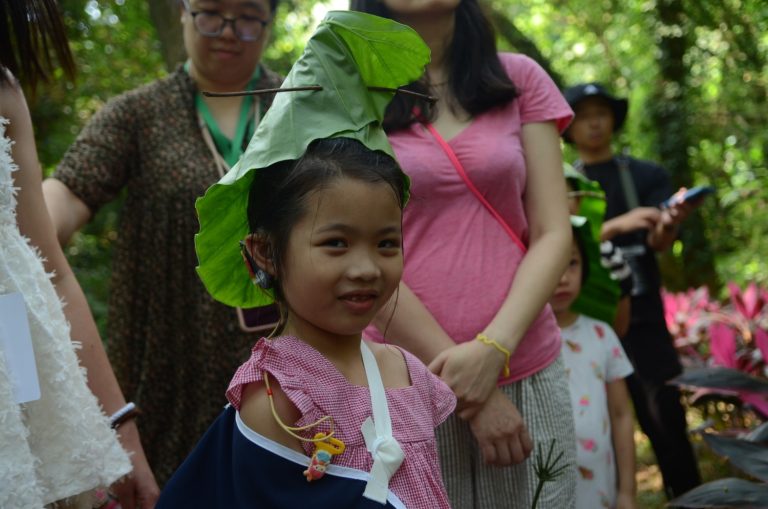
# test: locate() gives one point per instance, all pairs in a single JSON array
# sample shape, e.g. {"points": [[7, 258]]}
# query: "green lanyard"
{"points": [[230, 149]]}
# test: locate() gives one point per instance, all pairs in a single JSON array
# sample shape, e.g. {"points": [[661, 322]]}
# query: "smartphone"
{"points": [[262, 319], [694, 194]]}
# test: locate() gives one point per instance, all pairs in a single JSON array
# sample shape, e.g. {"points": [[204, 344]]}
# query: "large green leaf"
{"points": [[730, 492], [349, 52], [599, 296]]}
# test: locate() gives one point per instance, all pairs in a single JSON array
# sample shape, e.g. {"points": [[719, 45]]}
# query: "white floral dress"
{"points": [[593, 357], [60, 445]]}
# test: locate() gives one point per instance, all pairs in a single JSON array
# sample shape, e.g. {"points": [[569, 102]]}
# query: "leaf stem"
{"points": [[206, 93], [260, 91]]}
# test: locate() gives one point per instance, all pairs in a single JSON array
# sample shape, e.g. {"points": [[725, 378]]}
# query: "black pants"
{"points": [[657, 405]]}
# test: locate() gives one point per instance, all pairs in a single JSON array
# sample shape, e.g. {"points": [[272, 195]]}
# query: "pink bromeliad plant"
{"points": [[729, 344], [688, 318], [725, 351]]}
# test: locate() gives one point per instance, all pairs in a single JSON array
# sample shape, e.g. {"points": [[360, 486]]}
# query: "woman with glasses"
{"points": [[173, 347]]}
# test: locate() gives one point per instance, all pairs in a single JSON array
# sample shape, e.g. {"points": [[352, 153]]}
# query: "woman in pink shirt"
{"points": [[473, 301]]}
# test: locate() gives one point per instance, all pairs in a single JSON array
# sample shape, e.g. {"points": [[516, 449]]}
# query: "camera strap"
{"points": [[625, 179]]}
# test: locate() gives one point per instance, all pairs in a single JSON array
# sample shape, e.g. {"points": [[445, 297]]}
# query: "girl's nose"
{"points": [[363, 267]]}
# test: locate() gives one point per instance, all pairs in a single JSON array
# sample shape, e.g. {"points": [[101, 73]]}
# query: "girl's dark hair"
{"points": [[277, 198], [477, 78], [583, 252], [33, 41]]}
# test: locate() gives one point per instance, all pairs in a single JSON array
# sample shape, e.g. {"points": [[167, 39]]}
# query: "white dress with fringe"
{"points": [[60, 445]]}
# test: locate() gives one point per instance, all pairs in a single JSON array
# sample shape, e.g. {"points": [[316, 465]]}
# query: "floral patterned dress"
{"points": [[593, 357]]}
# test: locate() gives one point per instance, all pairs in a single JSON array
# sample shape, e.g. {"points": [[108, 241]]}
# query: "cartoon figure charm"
{"points": [[325, 449]]}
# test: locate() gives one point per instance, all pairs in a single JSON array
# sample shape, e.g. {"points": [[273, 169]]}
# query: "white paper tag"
{"points": [[16, 347]]}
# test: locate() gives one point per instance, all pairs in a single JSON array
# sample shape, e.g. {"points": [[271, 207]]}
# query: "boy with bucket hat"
{"points": [[635, 222]]}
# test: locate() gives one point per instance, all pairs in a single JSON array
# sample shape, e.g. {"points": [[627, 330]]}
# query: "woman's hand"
{"points": [[471, 370], [500, 432], [139, 489]]}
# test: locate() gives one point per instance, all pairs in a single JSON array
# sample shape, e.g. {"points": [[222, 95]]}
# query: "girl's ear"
{"points": [[259, 247]]}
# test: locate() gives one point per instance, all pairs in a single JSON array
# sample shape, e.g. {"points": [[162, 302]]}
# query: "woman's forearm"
{"points": [[101, 378], [546, 208], [532, 288]]}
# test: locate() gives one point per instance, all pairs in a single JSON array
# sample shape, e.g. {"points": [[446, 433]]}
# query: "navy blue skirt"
{"points": [[234, 468]]}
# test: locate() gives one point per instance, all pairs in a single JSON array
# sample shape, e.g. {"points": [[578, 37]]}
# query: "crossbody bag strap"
{"points": [[462, 172], [627, 184]]}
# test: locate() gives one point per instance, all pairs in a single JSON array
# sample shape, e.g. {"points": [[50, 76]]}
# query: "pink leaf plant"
{"points": [[722, 344], [687, 317], [733, 336], [749, 302]]}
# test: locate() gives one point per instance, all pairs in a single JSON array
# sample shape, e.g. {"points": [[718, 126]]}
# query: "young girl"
{"points": [[596, 366], [319, 417]]}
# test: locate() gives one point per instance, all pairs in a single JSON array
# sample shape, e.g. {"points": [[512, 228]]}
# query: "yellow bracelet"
{"points": [[492, 342]]}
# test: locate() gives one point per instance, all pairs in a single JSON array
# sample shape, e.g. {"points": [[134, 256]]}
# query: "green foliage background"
{"points": [[695, 74]]}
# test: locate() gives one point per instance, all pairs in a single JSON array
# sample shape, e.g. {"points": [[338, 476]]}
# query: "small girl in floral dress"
{"points": [[596, 365]]}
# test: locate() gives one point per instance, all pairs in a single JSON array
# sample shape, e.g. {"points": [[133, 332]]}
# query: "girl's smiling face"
{"points": [[344, 259]]}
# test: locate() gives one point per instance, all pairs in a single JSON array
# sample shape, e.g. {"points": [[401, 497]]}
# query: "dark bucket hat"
{"points": [[574, 95]]}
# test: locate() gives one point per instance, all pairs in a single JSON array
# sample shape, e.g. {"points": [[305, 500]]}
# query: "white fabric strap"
{"points": [[377, 432]]}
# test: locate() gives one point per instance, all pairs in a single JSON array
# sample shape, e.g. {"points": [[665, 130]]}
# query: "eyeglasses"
{"points": [[211, 24]]}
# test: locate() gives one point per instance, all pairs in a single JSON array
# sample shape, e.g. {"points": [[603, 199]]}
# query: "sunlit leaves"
{"points": [[725, 96]]}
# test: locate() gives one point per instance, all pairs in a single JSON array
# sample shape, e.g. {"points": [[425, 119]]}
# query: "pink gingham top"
{"points": [[317, 388]]}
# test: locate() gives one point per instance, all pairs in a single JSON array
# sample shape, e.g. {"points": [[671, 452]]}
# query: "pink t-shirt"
{"points": [[458, 259]]}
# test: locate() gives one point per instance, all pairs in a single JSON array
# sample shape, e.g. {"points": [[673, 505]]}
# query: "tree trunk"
{"points": [[669, 112], [165, 16]]}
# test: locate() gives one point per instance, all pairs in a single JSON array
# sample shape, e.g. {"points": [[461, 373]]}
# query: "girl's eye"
{"points": [[335, 243], [389, 244]]}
